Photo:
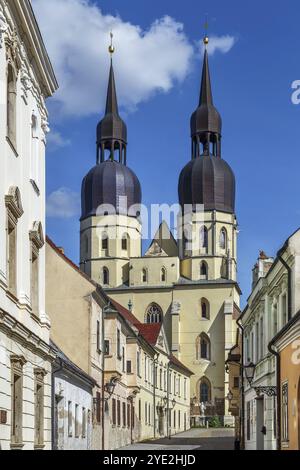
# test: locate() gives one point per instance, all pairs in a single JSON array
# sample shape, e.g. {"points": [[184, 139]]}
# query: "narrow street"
{"points": [[194, 439]]}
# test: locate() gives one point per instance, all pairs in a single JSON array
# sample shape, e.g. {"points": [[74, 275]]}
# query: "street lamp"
{"points": [[230, 396], [250, 372], [110, 386]]}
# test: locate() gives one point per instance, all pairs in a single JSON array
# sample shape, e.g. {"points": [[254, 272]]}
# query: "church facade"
{"points": [[190, 284]]}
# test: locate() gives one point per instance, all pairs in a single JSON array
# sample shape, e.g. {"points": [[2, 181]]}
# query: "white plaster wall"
{"points": [[74, 391]]}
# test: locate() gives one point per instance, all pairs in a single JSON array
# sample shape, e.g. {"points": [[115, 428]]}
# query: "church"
{"points": [[188, 285]]}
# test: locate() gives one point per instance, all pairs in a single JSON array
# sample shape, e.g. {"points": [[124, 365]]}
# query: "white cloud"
{"points": [[56, 141], [63, 204], [76, 34], [220, 44]]}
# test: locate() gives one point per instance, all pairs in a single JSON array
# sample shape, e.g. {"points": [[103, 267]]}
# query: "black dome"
{"points": [[209, 181], [106, 184]]}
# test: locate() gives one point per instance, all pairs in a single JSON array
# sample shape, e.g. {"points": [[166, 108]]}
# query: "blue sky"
{"points": [[252, 91]]}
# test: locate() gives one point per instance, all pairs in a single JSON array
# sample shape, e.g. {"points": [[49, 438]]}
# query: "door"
{"points": [[260, 422]]}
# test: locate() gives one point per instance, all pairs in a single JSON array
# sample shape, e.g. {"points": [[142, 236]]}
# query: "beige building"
{"points": [[26, 80], [147, 389], [75, 306], [188, 285]]}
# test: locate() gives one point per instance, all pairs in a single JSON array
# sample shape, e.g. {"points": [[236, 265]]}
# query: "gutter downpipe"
{"points": [[278, 379], [53, 407], [242, 424], [154, 392]]}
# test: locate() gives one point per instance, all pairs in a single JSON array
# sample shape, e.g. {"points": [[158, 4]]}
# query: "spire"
{"points": [[111, 130], [206, 122], [111, 100], [205, 92]]}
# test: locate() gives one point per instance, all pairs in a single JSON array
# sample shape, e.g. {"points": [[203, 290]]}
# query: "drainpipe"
{"points": [[155, 361], [54, 423], [242, 415], [168, 401], [278, 380]]}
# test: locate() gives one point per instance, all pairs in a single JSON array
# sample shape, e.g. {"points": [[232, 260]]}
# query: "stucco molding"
{"points": [[13, 204]]}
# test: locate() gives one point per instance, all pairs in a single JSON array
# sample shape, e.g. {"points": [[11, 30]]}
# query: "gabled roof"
{"points": [[150, 332], [125, 313], [163, 241], [179, 364]]}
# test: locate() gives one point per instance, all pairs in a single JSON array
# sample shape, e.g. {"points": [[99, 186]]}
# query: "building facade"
{"points": [[273, 303], [189, 285], [75, 306], [150, 396], [26, 80], [72, 405]]}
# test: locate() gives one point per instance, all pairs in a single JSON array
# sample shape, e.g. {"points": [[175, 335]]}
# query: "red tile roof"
{"points": [[150, 332], [125, 313]]}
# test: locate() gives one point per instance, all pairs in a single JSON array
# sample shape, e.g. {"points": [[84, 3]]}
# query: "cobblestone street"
{"points": [[195, 439]]}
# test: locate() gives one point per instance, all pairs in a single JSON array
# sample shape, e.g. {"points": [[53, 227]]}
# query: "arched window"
{"points": [[163, 275], [203, 347], [205, 390], [154, 314], [223, 239], [105, 277], [203, 237], [203, 270], [144, 276], [104, 242], [125, 242], [205, 309], [11, 104]]}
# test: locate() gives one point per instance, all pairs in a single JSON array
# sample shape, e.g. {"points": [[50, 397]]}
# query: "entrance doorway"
{"points": [[260, 423]]}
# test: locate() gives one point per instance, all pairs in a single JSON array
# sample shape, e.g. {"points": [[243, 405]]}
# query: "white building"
{"points": [[72, 405], [26, 80], [273, 302]]}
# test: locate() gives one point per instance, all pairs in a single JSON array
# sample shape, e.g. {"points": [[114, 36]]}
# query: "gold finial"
{"points": [[206, 38], [111, 48]]}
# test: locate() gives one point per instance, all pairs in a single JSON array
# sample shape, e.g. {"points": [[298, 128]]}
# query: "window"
{"points": [[129, 368], [257, 355], [12, 257], [114, 418], [248, 421], [275, 320], [284, 310], [160, 379], [140, 410], [204, 309], [205, 390], [179, 419], [76, 421], [184, 389], [39, 407], [119, 344], [83, 423], [154, 314], [98, 337], [261, 333], [138, 363], [146, 413], [203, 237], [104, 242], [149, 415], [17, 364], [128, 416], [144, 276], [98, 407], [203, 347], [11, 104], [105, 277], [203, 271], [119, 413], [236, 382], [174, 419], [107, 347], [124, 414], [37, 242], [70, 419], [165, 381], [223, 239], [163, 275], [125, 242], [34, 170], [285, 412]]}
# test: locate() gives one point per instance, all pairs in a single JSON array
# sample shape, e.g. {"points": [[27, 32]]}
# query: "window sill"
{"points": [[12, 296], [16, 446], [35, 187], [39, 447]]}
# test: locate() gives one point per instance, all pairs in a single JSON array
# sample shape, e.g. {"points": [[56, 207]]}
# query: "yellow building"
{"points": [[189, 285], [287, 343]]}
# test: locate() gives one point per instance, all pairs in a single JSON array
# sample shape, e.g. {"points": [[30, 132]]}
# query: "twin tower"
{"points": [[111, 246]]}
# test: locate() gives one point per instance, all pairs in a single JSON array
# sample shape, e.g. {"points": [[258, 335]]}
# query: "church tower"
{"points": [[111, 197], [208, 227]]}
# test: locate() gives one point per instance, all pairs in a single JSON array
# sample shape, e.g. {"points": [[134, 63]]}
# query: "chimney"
{"points": [[261, 268]]}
